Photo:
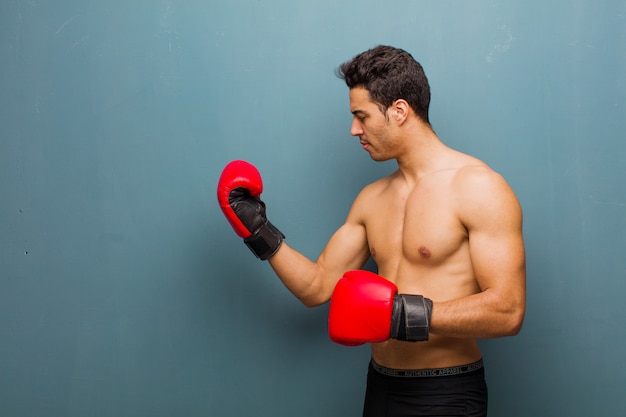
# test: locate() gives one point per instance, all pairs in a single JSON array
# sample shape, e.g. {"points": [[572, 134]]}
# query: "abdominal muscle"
{"points": [[448, 280]]}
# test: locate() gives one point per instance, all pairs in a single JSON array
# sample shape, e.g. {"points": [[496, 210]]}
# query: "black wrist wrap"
{"points": [[265, 241], [410, 318]]}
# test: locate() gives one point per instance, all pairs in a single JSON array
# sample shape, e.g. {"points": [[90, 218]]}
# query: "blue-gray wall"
{"points": [[124, 292]]}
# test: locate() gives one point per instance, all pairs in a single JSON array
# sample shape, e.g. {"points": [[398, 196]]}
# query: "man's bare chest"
{"points": [[420, 227]]}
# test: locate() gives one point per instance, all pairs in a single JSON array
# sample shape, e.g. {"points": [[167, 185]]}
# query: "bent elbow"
{"points": [[310, 303], [313, 301], [315, 295], [515, 323], [514, 329]]}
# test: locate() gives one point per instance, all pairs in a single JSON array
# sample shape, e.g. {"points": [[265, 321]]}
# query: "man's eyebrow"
{"points": [[358, 111]]}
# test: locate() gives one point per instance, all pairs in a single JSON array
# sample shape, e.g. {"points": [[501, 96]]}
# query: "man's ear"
{"points": [[400, 110]]}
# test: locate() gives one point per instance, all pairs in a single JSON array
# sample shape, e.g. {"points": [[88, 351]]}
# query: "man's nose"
{"points": [[356, 129]]}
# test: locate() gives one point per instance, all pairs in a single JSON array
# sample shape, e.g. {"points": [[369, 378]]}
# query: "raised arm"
{"points": [[239, 191], [313, 282]]}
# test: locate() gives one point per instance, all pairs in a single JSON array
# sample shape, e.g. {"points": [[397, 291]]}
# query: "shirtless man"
{"points": [[444, 230]]}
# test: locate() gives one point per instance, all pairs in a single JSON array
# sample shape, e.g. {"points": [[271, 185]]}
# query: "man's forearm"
{"points": [[479, 316], [301, 276]]}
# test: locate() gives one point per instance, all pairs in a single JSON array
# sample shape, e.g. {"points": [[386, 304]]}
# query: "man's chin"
{"points": [[378, 158]]}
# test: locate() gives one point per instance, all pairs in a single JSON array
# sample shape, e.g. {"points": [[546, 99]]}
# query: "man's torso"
{"points": [[418, 241]]}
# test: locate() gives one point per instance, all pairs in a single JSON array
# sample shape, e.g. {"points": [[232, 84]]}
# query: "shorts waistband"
{"points": [[430, 372]]}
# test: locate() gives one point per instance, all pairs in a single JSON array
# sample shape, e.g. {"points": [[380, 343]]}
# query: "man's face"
{"points": [[370, 125]]}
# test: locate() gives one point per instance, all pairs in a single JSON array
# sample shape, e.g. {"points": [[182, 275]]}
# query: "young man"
{"points": [[444, 230]]}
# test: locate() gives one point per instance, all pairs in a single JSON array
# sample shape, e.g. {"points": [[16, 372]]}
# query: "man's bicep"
{"points": [[496, 240], [498, 259], [347, 249]]}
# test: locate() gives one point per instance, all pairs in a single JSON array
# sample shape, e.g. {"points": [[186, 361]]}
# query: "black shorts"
{"points": [[456, 391]]}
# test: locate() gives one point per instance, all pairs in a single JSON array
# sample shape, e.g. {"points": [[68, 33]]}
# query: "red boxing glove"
{"points": [[365, 307], [238, 174], [361, 308], [238, 193]]}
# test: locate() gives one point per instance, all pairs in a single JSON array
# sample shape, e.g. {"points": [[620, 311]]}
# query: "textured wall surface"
{"points": [[123, 291]]}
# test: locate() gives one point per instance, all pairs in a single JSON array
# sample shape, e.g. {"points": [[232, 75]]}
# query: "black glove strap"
{"points": [[411, 317], [265, 241]]}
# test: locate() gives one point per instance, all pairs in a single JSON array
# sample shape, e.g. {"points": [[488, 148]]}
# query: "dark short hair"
{"points": [[389, 74]]}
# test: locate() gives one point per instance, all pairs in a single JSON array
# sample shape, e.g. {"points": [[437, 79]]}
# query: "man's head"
{"points": [[389, 74]]}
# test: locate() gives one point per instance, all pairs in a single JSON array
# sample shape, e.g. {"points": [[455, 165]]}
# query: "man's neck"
{"points": [[424, 154]]}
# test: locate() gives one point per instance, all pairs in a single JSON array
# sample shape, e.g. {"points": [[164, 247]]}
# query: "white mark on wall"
{"points": [[597, 202], [81, 41], [501, 47], [168, 11], [60, 29], [172, 37], [219, 36], [622, 15], [576, 44]]}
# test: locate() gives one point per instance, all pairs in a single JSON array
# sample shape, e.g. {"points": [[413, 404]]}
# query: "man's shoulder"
{"points": [[477, 176], [378, 185], [481, 192], [371, 194]]}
